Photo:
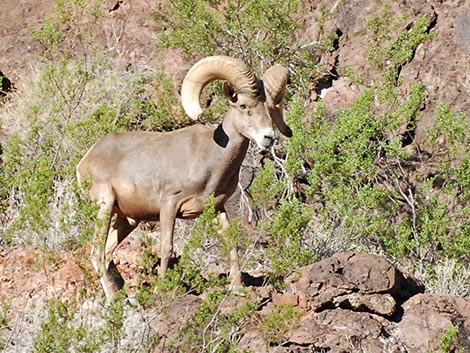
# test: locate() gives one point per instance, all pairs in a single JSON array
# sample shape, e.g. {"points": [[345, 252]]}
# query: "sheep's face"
{"points": [[252, 119]]}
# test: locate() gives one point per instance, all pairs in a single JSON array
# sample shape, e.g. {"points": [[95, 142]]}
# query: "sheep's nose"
{"points": [[268, 140]]}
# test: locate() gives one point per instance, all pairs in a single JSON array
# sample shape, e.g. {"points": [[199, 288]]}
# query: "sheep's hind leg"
{"points": [[108, 238], [98, 245], [121, 228]]}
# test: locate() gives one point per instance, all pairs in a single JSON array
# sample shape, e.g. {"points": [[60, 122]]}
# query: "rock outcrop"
{"points": [[349, 302], [357, 302], [427, 318]]}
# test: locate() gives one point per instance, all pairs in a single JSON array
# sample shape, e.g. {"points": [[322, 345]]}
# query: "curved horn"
{"points": [[212, 68], [275, 82]]}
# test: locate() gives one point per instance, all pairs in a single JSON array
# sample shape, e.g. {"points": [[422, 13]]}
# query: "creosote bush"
{"points": [[261, 33], [67, 328], [357, 168]]}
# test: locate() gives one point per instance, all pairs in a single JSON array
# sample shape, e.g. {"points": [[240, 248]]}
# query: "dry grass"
{"points": [[328, 241], [447, 277]]}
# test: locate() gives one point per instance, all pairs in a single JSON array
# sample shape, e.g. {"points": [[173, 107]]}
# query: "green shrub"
{"points": [[287, 247], [193, 334], [259, 32], [70, 21], [340, 156], [113, 331], [213, 329], [356, 166], [267, 189], [59, 333], [446, 221], [278, 324], [448, 340], [67, 328], [393, 43]]}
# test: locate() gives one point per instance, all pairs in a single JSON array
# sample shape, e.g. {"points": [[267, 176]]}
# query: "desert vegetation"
{"points": [[351, 178]]}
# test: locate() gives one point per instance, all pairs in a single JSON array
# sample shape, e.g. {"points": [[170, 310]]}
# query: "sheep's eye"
{"points": [[243, 107]]}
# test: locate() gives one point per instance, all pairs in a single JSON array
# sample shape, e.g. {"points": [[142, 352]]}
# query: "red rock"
{"points": [[428, 317], [285, 299], [343, 331]]}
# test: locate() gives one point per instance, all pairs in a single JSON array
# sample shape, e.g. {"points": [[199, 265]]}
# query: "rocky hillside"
{"points": [[382, 264], [350, 302]]}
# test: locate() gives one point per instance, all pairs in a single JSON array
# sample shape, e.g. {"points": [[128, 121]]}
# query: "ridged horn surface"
{"points": [[275, 82], [212, 68]]}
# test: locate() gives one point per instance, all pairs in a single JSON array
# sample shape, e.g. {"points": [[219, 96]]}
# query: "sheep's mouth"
{"points": [[266, 143]]}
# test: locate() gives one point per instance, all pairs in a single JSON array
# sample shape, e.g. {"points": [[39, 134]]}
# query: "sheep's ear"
{"points": [[229, 92]]}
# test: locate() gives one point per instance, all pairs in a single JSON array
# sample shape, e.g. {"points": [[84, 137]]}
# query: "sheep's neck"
{"points": [[234, 145], [232, 148]]}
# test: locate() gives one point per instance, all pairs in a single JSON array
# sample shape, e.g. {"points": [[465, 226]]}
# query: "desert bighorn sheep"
{"points": [[148, 176]]}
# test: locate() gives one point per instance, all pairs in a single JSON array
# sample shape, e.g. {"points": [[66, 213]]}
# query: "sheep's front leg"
{"points": [[235, 274], [167, 225]]}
